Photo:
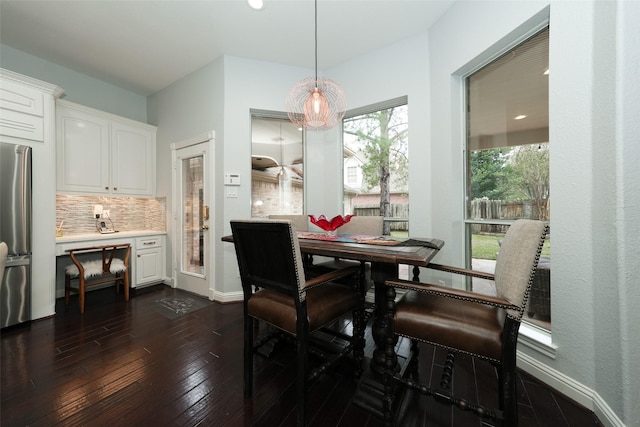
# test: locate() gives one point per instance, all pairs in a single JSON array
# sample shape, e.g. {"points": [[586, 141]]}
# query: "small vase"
{"points": [[332, 233]]}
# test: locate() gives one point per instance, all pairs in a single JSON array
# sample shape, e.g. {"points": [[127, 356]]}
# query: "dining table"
{"points": [[385, 254]]}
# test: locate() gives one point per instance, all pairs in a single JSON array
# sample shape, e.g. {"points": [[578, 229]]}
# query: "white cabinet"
{"points": [[83, 160], [131, 145], [25, 108], [21, 111], [103, 153], [149, 253], [147, 262]]}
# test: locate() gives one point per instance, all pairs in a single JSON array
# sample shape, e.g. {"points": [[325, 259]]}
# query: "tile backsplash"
{"points": [[127, 213]]}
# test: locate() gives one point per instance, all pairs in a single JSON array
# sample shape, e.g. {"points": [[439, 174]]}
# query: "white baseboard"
{"points": [[605, 413], [570, 388], [227, 296]]}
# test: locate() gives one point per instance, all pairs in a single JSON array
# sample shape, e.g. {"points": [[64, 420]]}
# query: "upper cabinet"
{"points": [[83, 160], [22, 107], [103, 153]]}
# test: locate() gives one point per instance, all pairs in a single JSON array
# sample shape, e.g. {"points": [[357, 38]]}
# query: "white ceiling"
{"points": [[145, 45]]}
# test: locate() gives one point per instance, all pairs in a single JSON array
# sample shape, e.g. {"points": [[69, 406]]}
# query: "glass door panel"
{"points": [[193, 249], [193, 263]]}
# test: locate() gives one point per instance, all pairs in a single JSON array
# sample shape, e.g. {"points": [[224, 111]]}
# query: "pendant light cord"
{"points": [[316, 39]]}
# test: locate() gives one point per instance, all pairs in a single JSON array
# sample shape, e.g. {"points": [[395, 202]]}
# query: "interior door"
{"points": [[192, 183]]}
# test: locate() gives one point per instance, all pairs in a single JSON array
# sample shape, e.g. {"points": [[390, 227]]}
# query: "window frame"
{"points": [[278, 115], [371, 108], [352, 175], [531, 335]]}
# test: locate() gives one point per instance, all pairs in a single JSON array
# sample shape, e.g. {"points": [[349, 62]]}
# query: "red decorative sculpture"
{"points": [[330, 225]]}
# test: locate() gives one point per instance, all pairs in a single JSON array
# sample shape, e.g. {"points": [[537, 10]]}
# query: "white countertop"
{"points": [[99, 237]]}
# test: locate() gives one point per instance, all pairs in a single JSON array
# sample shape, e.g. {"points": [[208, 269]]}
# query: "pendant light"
{"points": [[316, 103]]}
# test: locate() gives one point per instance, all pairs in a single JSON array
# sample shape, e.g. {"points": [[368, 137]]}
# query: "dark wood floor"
{"points": [[125, 364]]}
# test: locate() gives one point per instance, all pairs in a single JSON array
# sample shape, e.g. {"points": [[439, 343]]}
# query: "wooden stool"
{"points": [[89, 273]]}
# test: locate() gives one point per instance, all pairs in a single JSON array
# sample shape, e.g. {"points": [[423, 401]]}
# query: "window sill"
{"points": [[538, 339]]}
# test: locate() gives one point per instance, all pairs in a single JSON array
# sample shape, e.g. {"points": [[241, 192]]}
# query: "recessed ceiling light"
{"points": [[256, 4], [520, 117]]}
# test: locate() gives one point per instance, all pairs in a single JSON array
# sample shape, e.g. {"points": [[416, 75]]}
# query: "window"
{"points": [[352, 175], [276, 166], [507, 159], [375, 147]]}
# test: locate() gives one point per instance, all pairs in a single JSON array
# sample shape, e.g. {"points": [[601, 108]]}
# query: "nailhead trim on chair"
{"points": [[299, 267], [531, 278], [456, 297]]}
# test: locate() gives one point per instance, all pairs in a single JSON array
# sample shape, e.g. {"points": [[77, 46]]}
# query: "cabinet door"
{"points": [[21, 111], [133, 159], [148, 266], [83, 152]]}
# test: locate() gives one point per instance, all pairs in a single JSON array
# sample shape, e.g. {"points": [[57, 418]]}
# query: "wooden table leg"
{"points": [[380, 273], [370, 389]]}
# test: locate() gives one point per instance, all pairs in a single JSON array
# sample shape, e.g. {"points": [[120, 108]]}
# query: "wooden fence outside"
{"points": [[480, 209], [399, 215], [485, 209]]}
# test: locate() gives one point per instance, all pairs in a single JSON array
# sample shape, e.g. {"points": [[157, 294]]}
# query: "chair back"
{"points": [[367, 225], [300, 221], [269, 257], [517, 261]]}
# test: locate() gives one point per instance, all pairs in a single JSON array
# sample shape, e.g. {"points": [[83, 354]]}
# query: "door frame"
{"points": [[209, 139]]}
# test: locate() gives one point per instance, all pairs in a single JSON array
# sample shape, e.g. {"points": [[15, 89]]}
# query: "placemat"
{"points": [[370, 240]]}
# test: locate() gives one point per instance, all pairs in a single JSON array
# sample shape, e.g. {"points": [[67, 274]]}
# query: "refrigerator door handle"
{"points": [[16, 261]]}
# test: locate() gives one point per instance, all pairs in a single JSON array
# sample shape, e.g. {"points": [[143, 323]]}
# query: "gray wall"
{"points": [[77, 87], [188, 108]]}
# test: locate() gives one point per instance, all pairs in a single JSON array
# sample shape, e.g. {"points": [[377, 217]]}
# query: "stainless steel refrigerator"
{"points": [[15, 230]]}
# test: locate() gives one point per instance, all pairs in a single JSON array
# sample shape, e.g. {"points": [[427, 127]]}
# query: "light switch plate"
{"points": [[232, 192], [231, 179]]}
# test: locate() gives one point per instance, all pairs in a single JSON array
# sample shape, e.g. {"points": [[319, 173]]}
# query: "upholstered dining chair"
{"points": [[269, 259], [300, 221], [365, 225], [482, 326]]}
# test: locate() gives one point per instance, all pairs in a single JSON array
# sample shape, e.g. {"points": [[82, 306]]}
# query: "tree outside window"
{"points": [[519, 173], [376, 144]]}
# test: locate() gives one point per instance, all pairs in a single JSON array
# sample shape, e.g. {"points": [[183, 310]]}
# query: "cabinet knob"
{"points": [[106, 188], [205, 227], [115, 188]]}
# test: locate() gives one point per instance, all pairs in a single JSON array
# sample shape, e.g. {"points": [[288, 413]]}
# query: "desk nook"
{"points": [[95, 272]]}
